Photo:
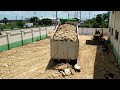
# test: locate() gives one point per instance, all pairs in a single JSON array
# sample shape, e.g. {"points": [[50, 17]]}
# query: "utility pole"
{"points": [[89, 18], [68, 15], [56, 19], [22, 15], [35, 16], [53, 16], [53, 19], [80, 17], [76, 14], [16, 17], [89, 14]]}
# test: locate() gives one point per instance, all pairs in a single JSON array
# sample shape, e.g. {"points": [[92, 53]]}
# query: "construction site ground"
{"points": [[33, 61]]}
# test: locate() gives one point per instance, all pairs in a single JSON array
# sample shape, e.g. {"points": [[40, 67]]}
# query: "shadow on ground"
{"points": [[105, 63], [51, 64]]}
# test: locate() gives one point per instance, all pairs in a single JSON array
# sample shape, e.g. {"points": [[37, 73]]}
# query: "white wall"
{"points": [[26, 34], [92, 30], [115, 24], [15, 37], [3, 40]]}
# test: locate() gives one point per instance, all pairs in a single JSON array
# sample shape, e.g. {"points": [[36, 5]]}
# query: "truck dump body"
{"points": [[65, 42]]}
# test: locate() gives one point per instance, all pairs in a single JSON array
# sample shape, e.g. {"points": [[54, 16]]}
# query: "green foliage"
{"points": [[45, 21], [20, 24], [100, 21], [5, 20], [95, 25], [34, 20], [71, 20]]}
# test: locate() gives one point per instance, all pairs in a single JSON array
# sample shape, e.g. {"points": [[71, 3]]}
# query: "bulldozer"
{"points": [[97, 38]]}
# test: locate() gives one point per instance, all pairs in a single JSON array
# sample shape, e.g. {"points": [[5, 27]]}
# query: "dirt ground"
{"points": [[32, 61]]}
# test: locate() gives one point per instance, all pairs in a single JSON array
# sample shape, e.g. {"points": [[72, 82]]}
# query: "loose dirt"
{"points": [[66, 32], [33, 61]]}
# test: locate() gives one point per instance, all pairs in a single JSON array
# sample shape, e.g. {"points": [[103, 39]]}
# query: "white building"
{"points": [[28, 25], [114, 29]]}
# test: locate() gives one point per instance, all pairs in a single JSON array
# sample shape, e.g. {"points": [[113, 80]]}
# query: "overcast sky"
{"points": [[12, 15]]}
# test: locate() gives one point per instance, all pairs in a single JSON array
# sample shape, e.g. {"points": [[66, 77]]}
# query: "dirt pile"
{"points": [[65, 32]]}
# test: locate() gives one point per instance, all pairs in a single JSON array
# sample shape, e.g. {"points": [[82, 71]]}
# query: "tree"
{"points": [[34, 20], [5, 20], [95, 25], [99, 19], [20, 24], [46, 21], [106, 16]]}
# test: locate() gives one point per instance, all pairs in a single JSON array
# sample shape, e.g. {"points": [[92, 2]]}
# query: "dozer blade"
{"points": [[92, 42]]}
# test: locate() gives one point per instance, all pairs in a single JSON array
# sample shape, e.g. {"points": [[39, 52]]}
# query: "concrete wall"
{"points": [[90, 31], [24, 37], [114, 23], [3, 43]]}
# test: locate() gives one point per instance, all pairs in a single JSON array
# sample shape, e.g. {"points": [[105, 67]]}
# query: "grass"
{"points": [[13, 25]]}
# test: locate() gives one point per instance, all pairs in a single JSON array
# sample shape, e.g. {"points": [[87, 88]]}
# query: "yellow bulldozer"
{"points": [[97, 37]]}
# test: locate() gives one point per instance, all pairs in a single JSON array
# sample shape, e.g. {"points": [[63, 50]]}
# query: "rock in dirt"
{"points": [[4, 65], [77, 68], [72, 71], [12, 56], [63, 74], [54, 75], [67, 71], [61, 67], [69, 66]]}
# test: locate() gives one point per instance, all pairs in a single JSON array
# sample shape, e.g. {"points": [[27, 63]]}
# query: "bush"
{"points": [[20, 24], [46, 21]]}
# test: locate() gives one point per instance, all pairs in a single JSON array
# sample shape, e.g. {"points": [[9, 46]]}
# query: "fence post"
{"points": [[32, 35], [22, 37], [46, 32], [40, 32], [8, 39]]}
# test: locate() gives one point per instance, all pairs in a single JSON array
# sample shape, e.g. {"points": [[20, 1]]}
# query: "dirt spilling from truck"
{"points": [[66, 32]]}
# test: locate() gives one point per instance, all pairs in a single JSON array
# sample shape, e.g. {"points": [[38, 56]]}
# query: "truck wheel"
{"points": [[73, 62]]}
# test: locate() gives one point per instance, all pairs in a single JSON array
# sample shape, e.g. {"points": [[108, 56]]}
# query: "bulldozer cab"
{"points": [[99, 32]]}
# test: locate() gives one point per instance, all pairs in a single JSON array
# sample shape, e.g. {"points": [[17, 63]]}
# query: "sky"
{"points": [[13, 15]]}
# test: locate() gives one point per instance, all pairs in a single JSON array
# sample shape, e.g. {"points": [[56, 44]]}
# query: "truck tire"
{"points": [[73, 62]]}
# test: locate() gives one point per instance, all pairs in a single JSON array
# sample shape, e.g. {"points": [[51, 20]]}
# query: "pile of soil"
{"points": [[65, 32]]}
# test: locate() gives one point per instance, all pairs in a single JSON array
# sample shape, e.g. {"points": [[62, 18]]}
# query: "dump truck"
{"points": [[64, 43]]}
